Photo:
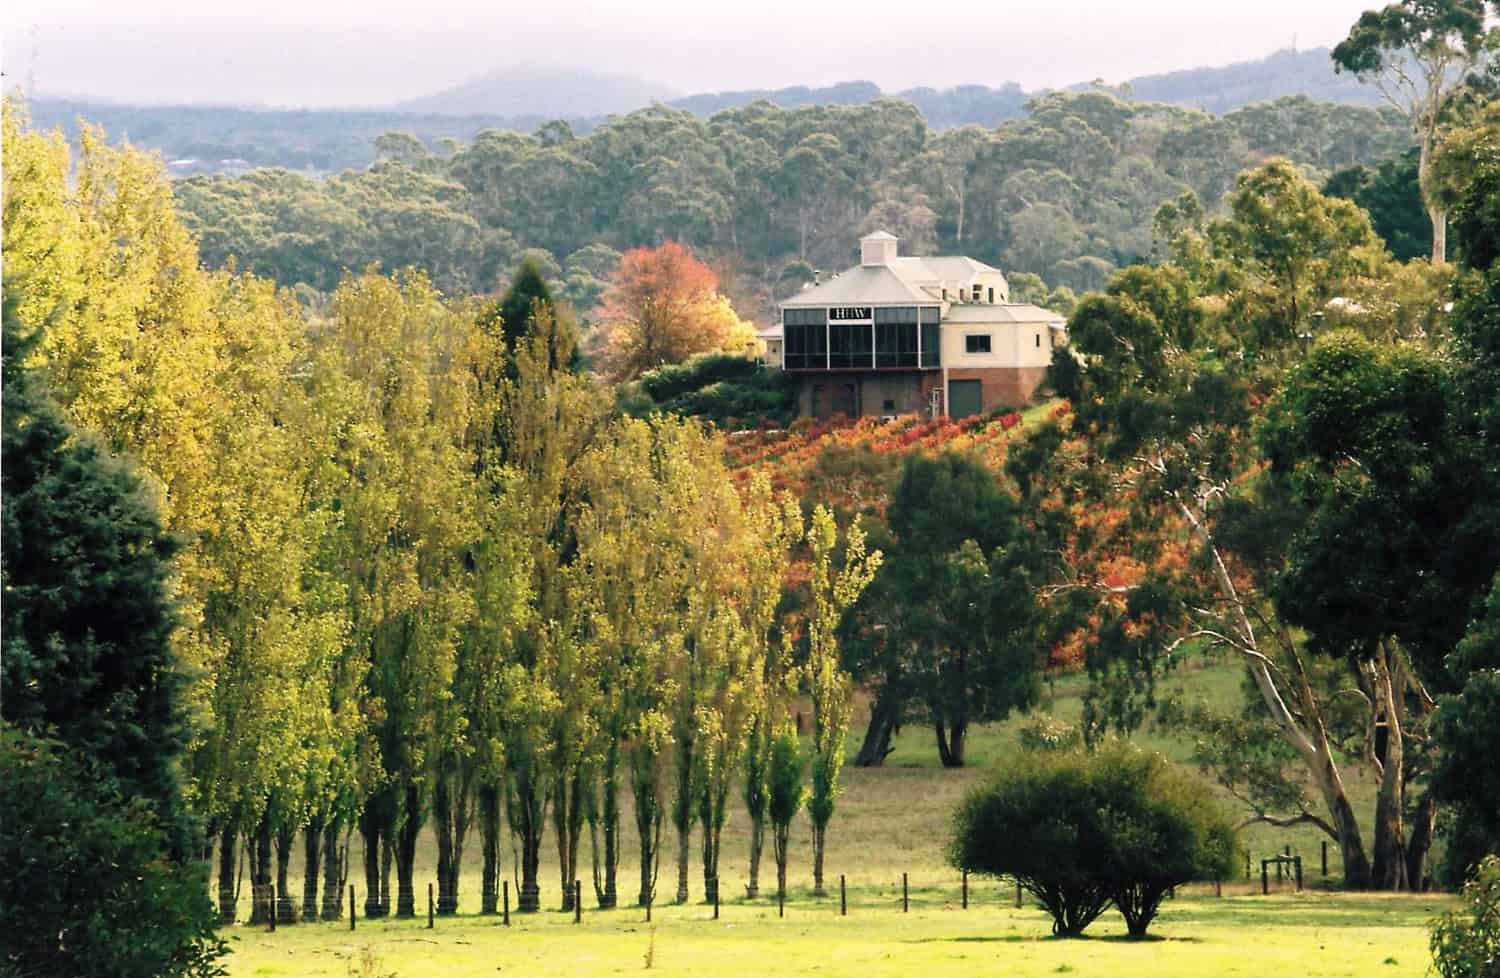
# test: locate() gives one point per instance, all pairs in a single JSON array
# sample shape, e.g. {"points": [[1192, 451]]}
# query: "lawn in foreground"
{"points": [[1198, 936]]}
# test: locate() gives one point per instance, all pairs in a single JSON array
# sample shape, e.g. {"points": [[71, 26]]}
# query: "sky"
{"points": [[318, 53]]}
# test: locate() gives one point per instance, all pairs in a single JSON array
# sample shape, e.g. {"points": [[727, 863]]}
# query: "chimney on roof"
{"points": [[877, 248]]}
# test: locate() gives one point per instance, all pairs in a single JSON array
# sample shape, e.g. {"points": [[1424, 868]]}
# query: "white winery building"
{"points": [[904, 335]]}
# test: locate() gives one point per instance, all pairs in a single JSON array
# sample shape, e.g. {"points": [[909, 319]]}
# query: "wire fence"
{"points": [[951, 893]]}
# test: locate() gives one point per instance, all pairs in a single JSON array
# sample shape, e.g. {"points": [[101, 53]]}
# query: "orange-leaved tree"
{"points": [[664, 306]]}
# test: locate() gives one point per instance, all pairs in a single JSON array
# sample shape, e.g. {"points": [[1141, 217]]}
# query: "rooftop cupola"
{"points": [[877, 248]]}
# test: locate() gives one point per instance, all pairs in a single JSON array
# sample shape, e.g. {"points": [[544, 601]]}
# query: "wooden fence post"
{"points": [[577, 902], [966, 889], [1325, 858], [1297, 864], [905, 902], [271, 919], [1265, 879], [843, 898], [429, 907], [506, 918], [351, 906]]}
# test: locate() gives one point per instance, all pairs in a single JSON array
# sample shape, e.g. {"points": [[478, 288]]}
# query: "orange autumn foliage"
{"points": [[663, 306]]}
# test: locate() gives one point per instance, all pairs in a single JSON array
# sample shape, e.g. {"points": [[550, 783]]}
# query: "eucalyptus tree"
{"points": [[1418, 53], [947, 170], [948, 627], [1365, 434], [1391, 604], [1169, 534]]}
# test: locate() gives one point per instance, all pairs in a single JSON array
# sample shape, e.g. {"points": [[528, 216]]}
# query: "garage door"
{"points": [[963, 398]]}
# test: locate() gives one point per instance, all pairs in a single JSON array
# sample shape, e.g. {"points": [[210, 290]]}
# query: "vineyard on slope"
{"points": [[799, 459]]}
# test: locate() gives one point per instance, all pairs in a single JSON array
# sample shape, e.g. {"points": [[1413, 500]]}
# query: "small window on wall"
{"points": [[992, 294], [1039, 341], [977, 343], [978, 292], [888, 406]]}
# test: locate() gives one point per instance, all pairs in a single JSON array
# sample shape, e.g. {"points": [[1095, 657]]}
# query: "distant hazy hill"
{"points": [[1220, 89], [552, 93], [228, 138], [1229, 87], [212, 138]]}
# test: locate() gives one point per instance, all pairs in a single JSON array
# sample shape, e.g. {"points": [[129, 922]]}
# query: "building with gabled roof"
{"points": [[903, 334]]}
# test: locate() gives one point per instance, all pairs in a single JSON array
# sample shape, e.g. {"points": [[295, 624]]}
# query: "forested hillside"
{"points": [[1061, 197], [220, 138]]}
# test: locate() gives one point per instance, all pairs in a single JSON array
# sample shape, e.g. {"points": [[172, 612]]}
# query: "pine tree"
{"points": [[87, 618], [97, 868]]}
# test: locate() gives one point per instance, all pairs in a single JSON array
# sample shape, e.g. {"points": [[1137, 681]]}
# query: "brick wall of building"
{"points": [[866, 393], [1002, 386]]}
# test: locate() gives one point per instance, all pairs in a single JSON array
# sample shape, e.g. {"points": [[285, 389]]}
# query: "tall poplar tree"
{"points": [[549, 418], [396, 359], [834, 589]]}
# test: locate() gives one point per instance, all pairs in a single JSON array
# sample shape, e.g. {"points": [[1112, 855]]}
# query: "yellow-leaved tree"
{"points": [[200, 378]]}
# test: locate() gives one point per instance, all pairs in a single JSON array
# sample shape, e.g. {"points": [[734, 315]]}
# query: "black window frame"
{"points": [[896, 337], [972, 342], [851, 346], [804, 339], [930, 336]]}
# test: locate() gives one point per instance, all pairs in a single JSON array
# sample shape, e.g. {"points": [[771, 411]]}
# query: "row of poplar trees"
{"points": [[428, 578]]}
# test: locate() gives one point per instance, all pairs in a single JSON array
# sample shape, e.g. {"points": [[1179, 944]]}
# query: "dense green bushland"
{"points": [[1067, 192]]}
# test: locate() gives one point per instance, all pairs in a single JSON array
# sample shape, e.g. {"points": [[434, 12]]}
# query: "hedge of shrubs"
{"points": [[724, 388]]}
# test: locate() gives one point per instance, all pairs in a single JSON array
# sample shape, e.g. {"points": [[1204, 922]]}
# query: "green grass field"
{"points": [[890, 820], [1199, 936]]}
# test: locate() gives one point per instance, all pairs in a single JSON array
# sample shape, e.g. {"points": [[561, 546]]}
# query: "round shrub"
{"points": [[1081, 831]]}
